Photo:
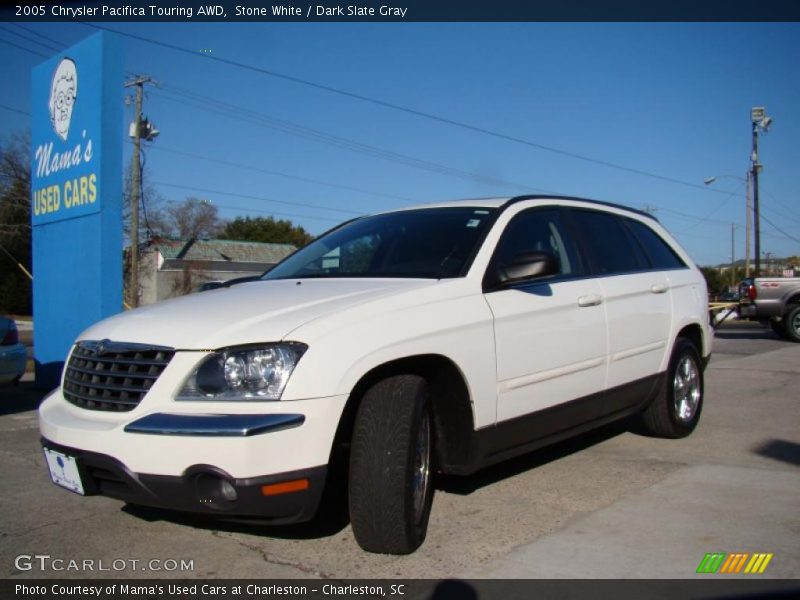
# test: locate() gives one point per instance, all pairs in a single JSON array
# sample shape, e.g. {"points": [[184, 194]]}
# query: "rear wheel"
{"points": [[676, 410], [791, 324], [390, 487]]}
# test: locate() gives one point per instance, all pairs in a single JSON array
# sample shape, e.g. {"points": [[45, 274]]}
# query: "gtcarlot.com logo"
{"points": [[45, 562], [737, 562]]}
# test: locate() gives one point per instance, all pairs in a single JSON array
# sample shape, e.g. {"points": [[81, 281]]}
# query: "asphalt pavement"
{"points": [[608, 504]]}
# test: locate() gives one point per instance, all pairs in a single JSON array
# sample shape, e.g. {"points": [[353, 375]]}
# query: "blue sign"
{"points": [[76, 196]]}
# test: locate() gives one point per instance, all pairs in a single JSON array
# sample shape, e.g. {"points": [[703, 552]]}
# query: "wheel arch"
{"points": [[790, 301], [695, 333], [451, 405]]}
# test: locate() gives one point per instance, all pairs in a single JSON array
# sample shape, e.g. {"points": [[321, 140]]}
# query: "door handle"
{"points": [[658, 288], [590, 300]]}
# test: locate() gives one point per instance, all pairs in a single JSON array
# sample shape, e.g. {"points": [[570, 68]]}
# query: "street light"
{"points": [[748, 225], [760, 122]]}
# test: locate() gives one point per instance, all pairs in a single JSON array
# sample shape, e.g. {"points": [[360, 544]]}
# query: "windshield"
{"points": [[429, 243]]}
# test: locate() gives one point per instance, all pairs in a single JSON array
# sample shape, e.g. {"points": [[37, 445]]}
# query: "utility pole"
{"points": [[136, 179], [748, 226], [756, 214], [760, 120], [733, 256]]}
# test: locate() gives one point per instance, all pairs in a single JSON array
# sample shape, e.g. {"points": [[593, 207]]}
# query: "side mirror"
{"points": [[526, 266]]}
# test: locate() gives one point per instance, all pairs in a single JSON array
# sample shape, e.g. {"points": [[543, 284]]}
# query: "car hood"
{"points": [[259, 311]]}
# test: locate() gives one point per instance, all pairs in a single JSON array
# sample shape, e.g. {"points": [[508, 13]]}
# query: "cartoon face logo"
{"points": [[63, 92]]}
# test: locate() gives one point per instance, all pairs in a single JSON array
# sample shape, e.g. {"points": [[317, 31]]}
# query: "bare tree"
{"points": [[15, 189], [15, 225], [190, 219], [150, 209]]}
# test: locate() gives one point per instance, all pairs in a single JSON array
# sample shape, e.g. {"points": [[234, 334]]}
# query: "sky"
{"points": [[639, 114]]}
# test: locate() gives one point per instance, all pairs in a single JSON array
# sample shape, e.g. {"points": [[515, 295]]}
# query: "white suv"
{"points": [[440, 338]]}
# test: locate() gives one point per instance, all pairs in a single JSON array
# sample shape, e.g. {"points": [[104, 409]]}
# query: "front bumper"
{"points": [[747, 311], [200, 488], [164, 437], [176, 455]]}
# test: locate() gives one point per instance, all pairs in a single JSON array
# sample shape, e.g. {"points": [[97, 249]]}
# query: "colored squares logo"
{"points": [[736, 562]]}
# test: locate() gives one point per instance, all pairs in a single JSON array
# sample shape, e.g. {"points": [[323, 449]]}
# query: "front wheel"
{"points": [[676, 410], [390, 488]]}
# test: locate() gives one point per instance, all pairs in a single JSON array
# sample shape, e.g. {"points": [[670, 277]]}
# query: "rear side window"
{"points": [[661, 255], [609, 247]]}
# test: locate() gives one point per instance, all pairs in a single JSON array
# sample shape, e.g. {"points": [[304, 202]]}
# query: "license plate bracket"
{"points": [[64, 471]]}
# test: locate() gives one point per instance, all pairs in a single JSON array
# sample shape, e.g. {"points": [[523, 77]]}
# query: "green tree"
{"points": [[265, 229], [716, 281], [15, 225]]}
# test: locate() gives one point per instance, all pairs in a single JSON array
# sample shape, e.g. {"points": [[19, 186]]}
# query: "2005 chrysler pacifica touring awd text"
{"points": [[434, 339]]}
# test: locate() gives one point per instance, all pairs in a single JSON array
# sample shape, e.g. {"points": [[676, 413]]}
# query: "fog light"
{"points": [[228, 491], [214, 490]]}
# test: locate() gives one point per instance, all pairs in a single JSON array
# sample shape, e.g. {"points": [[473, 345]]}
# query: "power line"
{"points": [[28, 39], [791, 237], [16, 110], [324, 137], [275, 213], [60, 45], [320, 136], [295, 129], [771, 195], [682, 215], [696, 235], [260, 119], [277, 173], [2, 41], [781, 215], [249, 197], [718, 207], [791, 216], [317, 135], [404, 109]]}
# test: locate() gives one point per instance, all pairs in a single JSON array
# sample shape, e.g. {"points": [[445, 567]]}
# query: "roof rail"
{"points": [[516, 199]]}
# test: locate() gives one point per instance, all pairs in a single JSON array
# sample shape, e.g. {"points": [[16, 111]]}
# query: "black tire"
{"points": [[675, 411], [386, 461], [791, 324]]}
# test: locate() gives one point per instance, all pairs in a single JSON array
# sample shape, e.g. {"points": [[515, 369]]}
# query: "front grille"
{"points": [[112, 375]]}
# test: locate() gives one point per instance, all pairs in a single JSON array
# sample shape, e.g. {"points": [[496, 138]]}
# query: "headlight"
{"points": [[250, 373]]}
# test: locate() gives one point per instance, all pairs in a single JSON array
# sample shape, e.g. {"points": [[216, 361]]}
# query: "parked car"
{"points": [[773, 300], [436, 339], [13, 355]]}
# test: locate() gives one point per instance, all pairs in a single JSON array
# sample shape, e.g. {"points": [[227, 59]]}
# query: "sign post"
{"points": [[76, 196]]}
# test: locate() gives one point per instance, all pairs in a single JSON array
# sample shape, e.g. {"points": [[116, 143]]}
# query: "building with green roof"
{"points": [[170, 268]]}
